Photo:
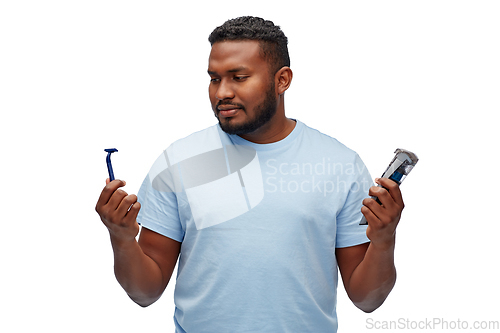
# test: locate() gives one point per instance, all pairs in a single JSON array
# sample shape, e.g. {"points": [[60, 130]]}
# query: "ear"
{"points": [[283, 79]]}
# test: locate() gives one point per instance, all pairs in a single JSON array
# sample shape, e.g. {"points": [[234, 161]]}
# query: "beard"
{"points": [[263, 113]]}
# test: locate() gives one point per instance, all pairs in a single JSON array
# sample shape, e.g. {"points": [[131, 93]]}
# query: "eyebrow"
{"points": [[234, 70]]}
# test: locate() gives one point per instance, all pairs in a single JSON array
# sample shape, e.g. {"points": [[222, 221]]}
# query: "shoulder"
{"points": [[327, 143], [195, 144], [209, 133]]}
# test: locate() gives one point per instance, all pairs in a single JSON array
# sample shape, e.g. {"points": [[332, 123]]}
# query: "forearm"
{"points": [[137, 273], [373, 279], [142, 277]]}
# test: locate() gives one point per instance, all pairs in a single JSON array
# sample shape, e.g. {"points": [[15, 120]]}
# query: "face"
{"points": [[242, 90]]}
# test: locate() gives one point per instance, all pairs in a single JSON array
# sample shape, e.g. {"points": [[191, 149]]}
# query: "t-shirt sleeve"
{"points": [[159, 206], [349, 231]]}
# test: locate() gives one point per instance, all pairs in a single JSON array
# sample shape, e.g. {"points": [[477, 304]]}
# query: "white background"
{"points": [[80, 76]]}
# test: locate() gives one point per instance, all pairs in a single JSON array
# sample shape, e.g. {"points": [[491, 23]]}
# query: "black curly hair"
{"points": [[273, 42]]}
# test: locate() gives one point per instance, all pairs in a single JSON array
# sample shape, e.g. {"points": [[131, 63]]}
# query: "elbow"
{"points": [[368, 308], [143, 305], [372, 301], [143, 302]]}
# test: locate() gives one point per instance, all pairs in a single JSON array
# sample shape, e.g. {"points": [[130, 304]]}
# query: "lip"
{"points": [[228, 110], [228, 113]]}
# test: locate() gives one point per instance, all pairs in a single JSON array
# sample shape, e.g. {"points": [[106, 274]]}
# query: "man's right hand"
{"points": [[118, 211], [144, 267]]}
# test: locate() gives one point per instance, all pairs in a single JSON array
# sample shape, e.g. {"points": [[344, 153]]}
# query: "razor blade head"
{"points": [[407, 155], [111, 150], [401, 165]]}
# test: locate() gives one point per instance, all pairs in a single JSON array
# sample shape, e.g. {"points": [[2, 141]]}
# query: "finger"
{"points": [[376, 215], [393, 188], [125, 205], [132, 213], [370, 217], [116, 199], [373, 206], [107, 192], [383, 196]]}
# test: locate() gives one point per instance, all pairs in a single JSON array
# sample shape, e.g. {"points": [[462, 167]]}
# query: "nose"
{"points": [[224, 91]]}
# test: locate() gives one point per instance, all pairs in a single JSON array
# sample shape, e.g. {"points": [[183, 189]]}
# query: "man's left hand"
{"points": [[383, 218]]}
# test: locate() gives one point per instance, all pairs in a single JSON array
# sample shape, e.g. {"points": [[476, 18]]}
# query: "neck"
{"points": [[278, 128]]}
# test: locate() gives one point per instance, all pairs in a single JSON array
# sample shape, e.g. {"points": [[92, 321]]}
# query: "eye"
{"points": [[240, 78], [214, 80]]}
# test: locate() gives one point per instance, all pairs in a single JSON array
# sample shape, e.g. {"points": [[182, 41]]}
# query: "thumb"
{"points": [[122, 181]]}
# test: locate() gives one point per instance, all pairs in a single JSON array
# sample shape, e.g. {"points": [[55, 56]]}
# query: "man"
{"points": [[261, 208]]}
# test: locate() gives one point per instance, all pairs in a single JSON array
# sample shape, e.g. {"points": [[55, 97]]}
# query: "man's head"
{"points": [[248, 67], [272, 40]]}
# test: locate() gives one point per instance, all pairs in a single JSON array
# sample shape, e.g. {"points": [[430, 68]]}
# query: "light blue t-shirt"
{"points": [[259, 224]]}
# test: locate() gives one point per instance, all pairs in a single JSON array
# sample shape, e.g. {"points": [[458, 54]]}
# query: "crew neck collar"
{"points": [[269, 146]]}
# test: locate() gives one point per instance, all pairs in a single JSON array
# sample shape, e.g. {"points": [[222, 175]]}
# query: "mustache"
{"points": [[229, 103]]}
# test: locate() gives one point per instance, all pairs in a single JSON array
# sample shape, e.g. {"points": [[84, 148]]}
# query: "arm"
{"points": [[142, 268], [368, 270]]}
